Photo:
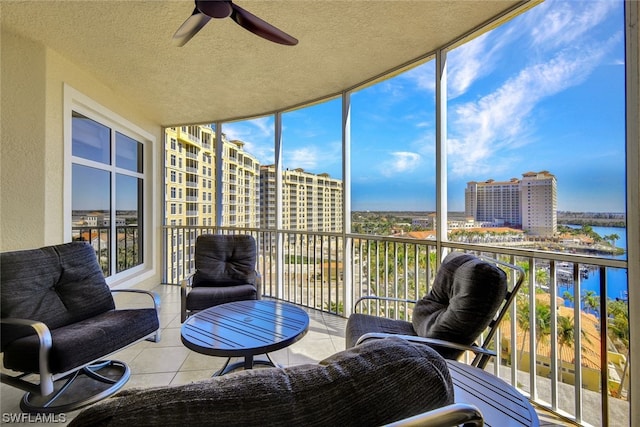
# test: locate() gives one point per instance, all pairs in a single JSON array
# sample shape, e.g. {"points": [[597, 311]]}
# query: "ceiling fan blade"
{"points": [[259, 27], [190, 27]]}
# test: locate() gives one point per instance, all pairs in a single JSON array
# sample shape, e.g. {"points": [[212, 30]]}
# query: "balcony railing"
{"points": [[565, 344]]}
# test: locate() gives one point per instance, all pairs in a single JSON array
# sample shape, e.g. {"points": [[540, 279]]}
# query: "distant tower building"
{"points": [[240, 186], [268, 195], [530, 203], [494, 201], [190, 189], [309, 201], [539, 202]]}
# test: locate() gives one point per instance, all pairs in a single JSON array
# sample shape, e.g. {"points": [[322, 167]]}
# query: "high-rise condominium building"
{"points": [[539, 201], [309, 201], [190, 188], [530, 203]]}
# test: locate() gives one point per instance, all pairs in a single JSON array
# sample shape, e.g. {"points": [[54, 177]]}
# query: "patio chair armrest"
{"points": [[154, 296], [184, 284], [155, 337], [447, 416], [187, 281], [429, 341], [377, 298], [45, 342], [258, 285]]}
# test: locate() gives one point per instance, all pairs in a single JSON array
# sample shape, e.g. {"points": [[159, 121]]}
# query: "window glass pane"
{"points": [[312, 182], [128, 221], [91, 200], [128, 153], [393, 155], [536, 128], [90, 139]]}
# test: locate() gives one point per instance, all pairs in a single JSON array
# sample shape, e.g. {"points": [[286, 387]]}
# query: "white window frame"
{"points": [[77, 101]]}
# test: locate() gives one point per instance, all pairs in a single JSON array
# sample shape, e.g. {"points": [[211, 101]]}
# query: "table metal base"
{"points": [[248, 363]]}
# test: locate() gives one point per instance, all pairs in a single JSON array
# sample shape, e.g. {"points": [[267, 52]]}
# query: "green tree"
{"points": [[522, 318], [591, 301], [619, 331], [567, 295], [543, 322], [612, 238], [565, 338], [542, 277]]}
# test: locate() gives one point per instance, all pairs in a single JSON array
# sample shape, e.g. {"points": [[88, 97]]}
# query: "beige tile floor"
{"points": [[170, 363]]}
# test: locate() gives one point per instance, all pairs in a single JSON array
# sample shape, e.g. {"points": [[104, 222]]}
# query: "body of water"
{"points": [[616, 278]]}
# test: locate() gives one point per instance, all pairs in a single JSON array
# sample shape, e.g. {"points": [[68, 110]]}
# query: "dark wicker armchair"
{"points": [[225, 271], [469, 294], [59, 323]]}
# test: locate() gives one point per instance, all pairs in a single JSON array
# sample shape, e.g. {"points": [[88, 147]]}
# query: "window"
{"points": [[393, 134], [312, 181], [107, 188]]}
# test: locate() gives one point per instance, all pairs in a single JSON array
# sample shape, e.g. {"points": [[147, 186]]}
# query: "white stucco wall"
{"points": [[32, 161]]}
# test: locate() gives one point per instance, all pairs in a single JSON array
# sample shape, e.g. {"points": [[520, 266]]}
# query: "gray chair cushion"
{"points": [[57, 285], [225, 260], [204, 297], [360, 324], [79, 343], [372, 384], [465, 297]]}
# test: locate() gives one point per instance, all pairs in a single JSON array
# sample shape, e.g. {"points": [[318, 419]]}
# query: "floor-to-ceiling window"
{"points": [[536, 160], [312, 203]]}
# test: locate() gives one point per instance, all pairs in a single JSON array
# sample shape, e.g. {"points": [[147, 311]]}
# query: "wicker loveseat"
{"points": [[376, 383]]}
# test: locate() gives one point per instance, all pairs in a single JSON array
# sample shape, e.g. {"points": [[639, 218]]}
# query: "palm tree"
{"points": [[619, 329], [591, 301], [522, 318], [612, 238], [567, 295], [543, 322], [542, 277], [565, 337]]}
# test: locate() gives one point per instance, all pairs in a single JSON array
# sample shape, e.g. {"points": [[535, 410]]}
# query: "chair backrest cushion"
{"points": [[56, 285], [372, 384], [225, 260], [466, 294]]}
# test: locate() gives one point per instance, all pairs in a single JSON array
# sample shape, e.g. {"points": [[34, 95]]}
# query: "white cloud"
{"points": [[500, 121], [556, 24], [561, 56], [315, 158], [304, 157], [257, 134], [400, 162], [467, 63], [422, 76]]}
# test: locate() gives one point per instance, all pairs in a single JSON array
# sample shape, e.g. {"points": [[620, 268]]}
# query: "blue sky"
{"points": [[543, 92]]}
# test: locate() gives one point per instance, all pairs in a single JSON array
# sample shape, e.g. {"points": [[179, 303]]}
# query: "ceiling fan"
{"points": [[205, 10]]}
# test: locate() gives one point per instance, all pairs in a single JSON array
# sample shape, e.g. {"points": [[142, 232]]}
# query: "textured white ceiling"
{"points": [[226, 72]]}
